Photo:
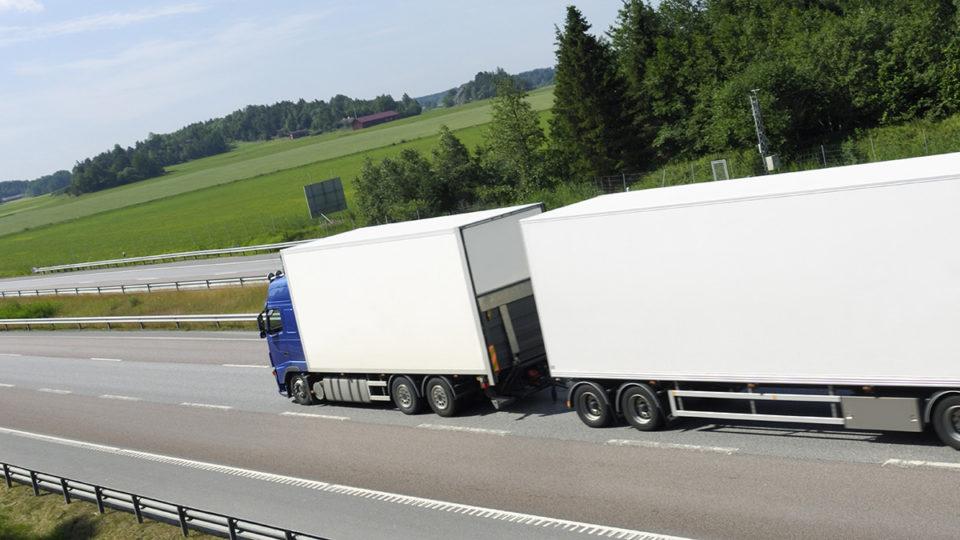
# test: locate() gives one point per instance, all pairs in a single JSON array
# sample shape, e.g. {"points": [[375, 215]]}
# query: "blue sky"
{"points": [[76, 77]]}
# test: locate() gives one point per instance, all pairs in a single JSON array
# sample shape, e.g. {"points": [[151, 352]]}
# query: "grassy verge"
{"points": [[26, 517]]}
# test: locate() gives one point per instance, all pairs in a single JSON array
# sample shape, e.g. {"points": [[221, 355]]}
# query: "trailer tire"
{"points": [[946, 421], [591, 406], [300, 390], [641, 408], [441, 397], [404, 394]]}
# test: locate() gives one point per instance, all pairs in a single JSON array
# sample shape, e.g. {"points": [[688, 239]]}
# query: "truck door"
{"points": [[273, 328]]}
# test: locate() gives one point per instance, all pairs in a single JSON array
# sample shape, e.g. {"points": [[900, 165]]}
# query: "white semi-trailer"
{"points": [[426, 311], [828, 297]]}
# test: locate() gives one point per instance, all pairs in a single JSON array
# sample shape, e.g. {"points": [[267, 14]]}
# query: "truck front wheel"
{"points": [[591, 407], [441, 398], [946, 420], [300, 390], [641, 408], [405, 396]]}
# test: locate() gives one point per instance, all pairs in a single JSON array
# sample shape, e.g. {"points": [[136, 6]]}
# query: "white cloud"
{"points": [[23, 6], [103, 21]]}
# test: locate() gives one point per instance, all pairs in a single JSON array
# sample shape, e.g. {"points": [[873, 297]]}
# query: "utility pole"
{"points": [[770, 161]]}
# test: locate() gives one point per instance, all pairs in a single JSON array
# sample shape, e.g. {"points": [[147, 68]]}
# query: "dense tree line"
{"points": [[147, 158], [484, 85], [672, 82], [45, 184]]}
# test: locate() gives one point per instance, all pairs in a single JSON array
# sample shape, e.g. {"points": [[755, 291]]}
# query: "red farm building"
{"points": [[374, 119]]}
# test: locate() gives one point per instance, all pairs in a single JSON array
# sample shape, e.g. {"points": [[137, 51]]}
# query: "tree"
{"points": [[633, 39], [514, 139], [456, 174], [590, 96]]}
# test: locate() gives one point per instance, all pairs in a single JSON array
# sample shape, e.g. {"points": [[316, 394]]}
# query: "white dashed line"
{"points": [[527, 520], [439, 427], [311, 415], [106, 359], [121, 398], [206, 406], [246, 366], [672, 446], [5, 385], [54, 391], [913, 464], [10, 354]]}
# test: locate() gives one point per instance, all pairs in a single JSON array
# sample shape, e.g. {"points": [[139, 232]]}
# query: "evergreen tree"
{"points": [[633, 38], [590, 128], [456, 174]]}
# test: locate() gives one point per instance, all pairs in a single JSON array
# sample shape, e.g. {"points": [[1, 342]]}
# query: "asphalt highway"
{"points": [[224, 267], [696, 479]]}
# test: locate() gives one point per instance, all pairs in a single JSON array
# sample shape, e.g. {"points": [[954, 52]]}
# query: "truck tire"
{"points": [[441, 398], [641, 408], [946, 420], [591, 407], [300, 390], [404, 394]]}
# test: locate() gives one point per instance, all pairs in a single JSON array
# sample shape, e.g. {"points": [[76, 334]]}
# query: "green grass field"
{"points": [[246, 161]]}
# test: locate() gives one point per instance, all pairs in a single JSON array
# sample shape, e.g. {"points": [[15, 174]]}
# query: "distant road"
{"points": [[202, 400], [222, 267]]}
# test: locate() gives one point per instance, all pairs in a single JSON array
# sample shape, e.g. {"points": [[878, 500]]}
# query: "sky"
{"points": [[77, 77]]}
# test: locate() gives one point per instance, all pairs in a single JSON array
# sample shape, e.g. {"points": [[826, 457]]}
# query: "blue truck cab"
{"points": [[278, 326]]}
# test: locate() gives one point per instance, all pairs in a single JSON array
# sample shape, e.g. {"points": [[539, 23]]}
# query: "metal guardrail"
{"points": [[140, 287], [145, 507], [167, 257], [140, 320]]}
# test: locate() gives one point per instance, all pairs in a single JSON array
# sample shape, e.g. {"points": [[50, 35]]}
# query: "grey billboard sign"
{"points": [[325, 197]]}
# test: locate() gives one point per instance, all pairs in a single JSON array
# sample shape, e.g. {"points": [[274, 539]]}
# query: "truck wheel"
{"points": [[591, 407], [300, 390], [946, 420], [405, 396], [641, 408], [440, 396]]}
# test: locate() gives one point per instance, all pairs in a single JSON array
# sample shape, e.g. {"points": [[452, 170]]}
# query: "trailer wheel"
{"points": [[946, 421], [641, 408], [441, 398], [300, 390], [405, 396], [591, 407]]}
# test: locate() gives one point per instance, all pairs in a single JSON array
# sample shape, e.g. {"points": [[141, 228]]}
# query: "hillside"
{"points": [[251, 194]]}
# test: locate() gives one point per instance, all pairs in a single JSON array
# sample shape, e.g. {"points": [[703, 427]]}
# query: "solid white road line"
{"points": [[121, 398], [528, 520], [311, 415], [672, 446], [206, 406], [10, 354], [246, 366], [54, 391], [912, 464], [106, 359], [5, 385], [440, 427], [65, 335]]}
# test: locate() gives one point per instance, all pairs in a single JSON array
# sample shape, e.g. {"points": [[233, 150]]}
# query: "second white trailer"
{"points": [[837, 288]]}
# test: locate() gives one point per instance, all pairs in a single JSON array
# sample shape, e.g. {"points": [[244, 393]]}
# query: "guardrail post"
{"points": [[123, 289], [6, 475], [208, 283], [76, 291], [56, 292], [66, 490], [137, 511], [232, 529], [141, 325], [98, 290], [182, 514], [34, 483], [176, 285], [148, 287], [108, 326], [98, 493]]}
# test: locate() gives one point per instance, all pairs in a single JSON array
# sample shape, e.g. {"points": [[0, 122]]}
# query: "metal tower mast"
{"points": [[763, 144]]}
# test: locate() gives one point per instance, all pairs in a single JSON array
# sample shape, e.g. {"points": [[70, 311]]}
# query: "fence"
{"points": [[145, 507], [139, 287], [141, 320], [167, 257]]}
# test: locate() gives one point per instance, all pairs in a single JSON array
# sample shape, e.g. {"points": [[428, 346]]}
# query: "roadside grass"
{"points": [[24, 516], [250, 160], [263, 209]]}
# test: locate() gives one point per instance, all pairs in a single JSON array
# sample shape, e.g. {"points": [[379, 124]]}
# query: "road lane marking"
{"points": [[10, 354], [206, 406], [54, 391], [440, 427], [311, 415], [527, 520], [257, 366], [672, 446], [106, 359], [5, 385], [121, 398], [171, 338], [914, 464]]}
